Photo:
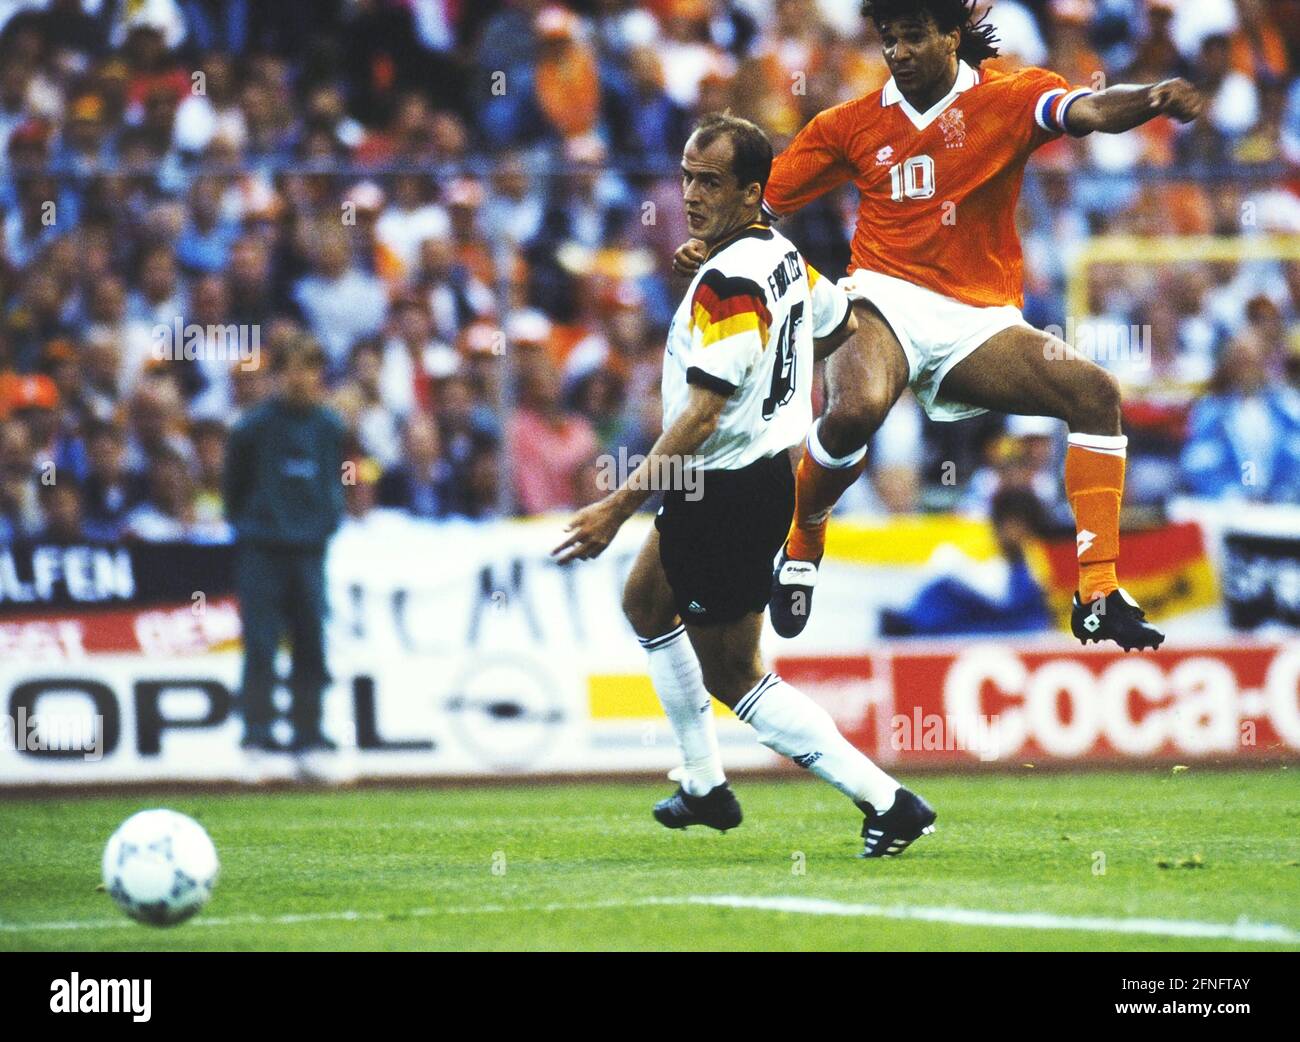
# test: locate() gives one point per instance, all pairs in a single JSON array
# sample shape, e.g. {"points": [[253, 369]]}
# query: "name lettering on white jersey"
{"points": [[745, 330]]}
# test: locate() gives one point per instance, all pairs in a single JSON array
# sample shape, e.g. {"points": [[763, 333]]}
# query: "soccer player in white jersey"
{"points": [[737, 396]]}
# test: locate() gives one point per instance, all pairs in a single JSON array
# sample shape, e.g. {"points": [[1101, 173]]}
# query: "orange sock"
{"points": [[816, 491], [1094, 484]]}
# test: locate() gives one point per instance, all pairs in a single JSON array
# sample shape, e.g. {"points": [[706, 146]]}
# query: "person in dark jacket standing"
{"points": [[284, 497]]}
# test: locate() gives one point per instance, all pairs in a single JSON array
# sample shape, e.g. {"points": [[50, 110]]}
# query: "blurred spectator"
{"points": [[621, 343], [548, 445], [640, 425], [100, 385], [413, 356], [213, 114], [61, 508], [774, 81], [480, 493], [1233, 96], [505, 57], [965, 596], [514, 209], [644, 122], [599, 398], [170, 512], [566, 78], [34, 318], [1196, 20], [420, 483], [110, 491], [360, 495], [156, 421], [374, 417], [622, 25], [204, 245], [33, 224], [250, 286], [160, 298], [149, 29], [409, 218], [33, 401], [455, 297], [1156, 53], [1024, 458], [84, 146], [465, 197], [383, 51], [20, 512], [339, 301], [587, 210], [467, 426], [15, 80], [376, 257], [209, 380], [687, 50], [1244, 436], [209, 439]]}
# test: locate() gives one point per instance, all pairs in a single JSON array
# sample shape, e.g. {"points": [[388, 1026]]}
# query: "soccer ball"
{"points": [[160, 867]]}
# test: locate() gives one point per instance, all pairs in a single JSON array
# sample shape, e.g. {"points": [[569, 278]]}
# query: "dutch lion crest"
{"points": [[953, 125]]}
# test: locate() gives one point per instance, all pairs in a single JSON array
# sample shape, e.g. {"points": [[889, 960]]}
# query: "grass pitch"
{"points": [[583, 866]]}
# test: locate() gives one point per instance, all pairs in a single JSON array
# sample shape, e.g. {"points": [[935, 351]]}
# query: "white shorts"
{"points": [[936, 332]]}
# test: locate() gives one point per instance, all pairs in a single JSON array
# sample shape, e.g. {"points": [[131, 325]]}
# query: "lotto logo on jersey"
{"points": [[885, 155]]}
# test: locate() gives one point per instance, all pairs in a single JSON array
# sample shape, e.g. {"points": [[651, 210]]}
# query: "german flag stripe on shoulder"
{"points": [[725, 306]]}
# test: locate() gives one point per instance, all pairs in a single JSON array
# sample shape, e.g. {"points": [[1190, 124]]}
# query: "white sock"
{"points": [[1108, 445], [675, 673], [792, 724], [818, 451]]}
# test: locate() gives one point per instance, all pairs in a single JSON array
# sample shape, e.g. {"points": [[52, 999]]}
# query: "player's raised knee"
{"points": [[1096, 409], [851, 421]]}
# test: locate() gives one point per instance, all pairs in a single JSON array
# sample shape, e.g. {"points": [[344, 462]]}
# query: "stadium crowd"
{"points": [[471, 207]]}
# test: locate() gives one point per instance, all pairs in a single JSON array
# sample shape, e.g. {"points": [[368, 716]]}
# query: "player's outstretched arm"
{"points": [[1121, 108], [593, 528]]}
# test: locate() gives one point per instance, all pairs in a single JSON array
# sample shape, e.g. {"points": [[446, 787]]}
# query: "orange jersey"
{"points": [[939, 188]]}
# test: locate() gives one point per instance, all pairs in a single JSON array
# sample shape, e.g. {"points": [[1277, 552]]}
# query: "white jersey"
{"points": [[746, 329]]}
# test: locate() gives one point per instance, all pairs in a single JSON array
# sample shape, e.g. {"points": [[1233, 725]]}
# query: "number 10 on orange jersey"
{"points": [[912, 179]]}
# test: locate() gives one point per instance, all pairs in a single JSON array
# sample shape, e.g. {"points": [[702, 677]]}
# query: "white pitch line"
{"points": [[1243, 930], [348, 916], [1260, 933]]}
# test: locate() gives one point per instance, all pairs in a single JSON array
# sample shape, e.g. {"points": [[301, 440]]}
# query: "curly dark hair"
{"points": [[978, 39]]}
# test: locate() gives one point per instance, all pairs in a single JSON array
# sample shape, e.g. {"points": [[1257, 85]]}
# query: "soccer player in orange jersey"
{"points": [[938, 156]]}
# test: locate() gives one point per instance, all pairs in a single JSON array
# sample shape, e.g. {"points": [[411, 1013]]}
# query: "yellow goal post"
{"points": [[1169, 249]]}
